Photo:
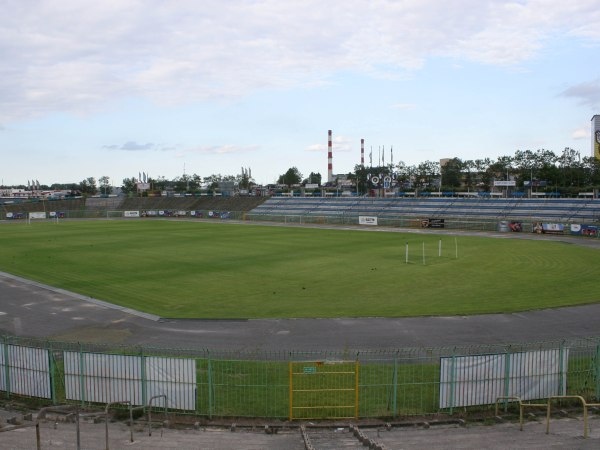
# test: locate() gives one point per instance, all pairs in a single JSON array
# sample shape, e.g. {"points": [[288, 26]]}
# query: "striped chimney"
{"points": [[329, 158], [362, 152]]}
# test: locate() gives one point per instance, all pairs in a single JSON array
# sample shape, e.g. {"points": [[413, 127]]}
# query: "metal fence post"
{"points": [[452, 380], [395, 380], [6, 368], [598, 372], [143, 376], [52, 369], [356, 387], [561, 369], [81, 376], [210, 388], [506, 379]]}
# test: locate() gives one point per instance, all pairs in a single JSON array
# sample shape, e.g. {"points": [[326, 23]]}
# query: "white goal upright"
{"points": [[41, 215]]}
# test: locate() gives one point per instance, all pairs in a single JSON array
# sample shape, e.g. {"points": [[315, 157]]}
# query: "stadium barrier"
{"points": [[291, 384], [564, 225]]}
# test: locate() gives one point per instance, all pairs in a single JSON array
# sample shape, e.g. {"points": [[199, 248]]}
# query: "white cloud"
{"points": [[76, 55], [403, 106], [339, 144], [220, 149], [581, 133]]}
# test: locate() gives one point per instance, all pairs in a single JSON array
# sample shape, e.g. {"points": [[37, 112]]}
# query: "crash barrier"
{"points": [[548, 407]]}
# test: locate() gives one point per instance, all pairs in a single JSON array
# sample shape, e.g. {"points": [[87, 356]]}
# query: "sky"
{"points": [[113, 88]]}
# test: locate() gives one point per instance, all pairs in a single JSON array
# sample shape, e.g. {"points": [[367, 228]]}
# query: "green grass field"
{"points": [[215, 270]]}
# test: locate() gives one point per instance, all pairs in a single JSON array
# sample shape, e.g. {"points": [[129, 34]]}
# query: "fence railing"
{"points": [[383, 383], [466, 223]]}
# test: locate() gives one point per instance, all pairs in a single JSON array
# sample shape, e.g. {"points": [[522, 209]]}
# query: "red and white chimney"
{"points": [[362, 152], [329, 158]]}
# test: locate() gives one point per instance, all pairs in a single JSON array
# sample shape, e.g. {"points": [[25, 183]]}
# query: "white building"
{"points": [[596, 136]]}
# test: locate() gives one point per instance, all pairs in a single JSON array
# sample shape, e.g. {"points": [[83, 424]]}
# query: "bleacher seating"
{"points": [[191, 203], [25, 206], [555, 209], [103, 203]]}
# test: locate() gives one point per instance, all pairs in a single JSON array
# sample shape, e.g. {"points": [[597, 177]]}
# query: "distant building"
{"points": [[228, 188], [596, 136], [15, 193]]}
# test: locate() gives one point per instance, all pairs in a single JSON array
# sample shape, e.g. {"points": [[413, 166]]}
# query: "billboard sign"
{"points": [[584, 230], [432, 223], [367, 220], [505, 183], [548, 228]]}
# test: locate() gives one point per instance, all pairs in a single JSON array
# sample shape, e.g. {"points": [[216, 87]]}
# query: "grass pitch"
{"points": [[213, 270]]}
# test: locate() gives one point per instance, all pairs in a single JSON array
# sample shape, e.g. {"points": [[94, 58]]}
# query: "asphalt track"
{"points": [[35, 310]]}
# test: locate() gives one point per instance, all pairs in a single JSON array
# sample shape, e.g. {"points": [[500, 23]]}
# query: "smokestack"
{"points": [[362, 152], [329, 158]]}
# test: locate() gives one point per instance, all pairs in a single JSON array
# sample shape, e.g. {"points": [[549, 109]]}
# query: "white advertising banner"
{"points": [[28, 371], [481, 379], [173, 377], [37, 215], [111, 378], [367, 220], [106, 378], [505, 183], [131, 214]]}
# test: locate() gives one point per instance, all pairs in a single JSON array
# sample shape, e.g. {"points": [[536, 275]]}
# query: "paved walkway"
{"points": [[55, 433], [32, 309]]}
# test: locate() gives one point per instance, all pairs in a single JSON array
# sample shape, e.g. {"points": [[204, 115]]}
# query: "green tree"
{"points": [[292, 176], [128, 186], [88, 186], [313, 178], [212, 181], [452, 173], [245, 181], [591, 171], [182, 184], [105, 187], [427, 173]]}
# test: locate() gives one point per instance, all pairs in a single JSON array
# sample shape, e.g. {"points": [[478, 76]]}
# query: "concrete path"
{"points": [[565, 433], [32, 309]]}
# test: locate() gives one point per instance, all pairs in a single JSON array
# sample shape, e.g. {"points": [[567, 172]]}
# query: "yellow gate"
{"points": [[323, 390]]}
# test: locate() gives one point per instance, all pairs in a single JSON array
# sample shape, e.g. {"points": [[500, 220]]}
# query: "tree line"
{"points": [[541, 169]]}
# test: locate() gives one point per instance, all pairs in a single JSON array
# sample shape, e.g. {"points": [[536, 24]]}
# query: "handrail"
{"points": [[42, 415], [123, 402], [548, 406], [150, 411], [522, 406], [585, 411]]}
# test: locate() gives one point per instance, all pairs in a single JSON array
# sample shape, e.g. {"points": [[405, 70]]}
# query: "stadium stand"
{"points": [[103, 203], [191, 203], [74, 204], [555, 209]]}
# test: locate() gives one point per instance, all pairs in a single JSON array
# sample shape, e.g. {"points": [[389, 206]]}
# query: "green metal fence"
{"points": [[391, 383], [465, 223]]}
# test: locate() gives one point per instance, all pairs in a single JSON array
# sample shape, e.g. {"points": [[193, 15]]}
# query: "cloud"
{"points": [[339, 144], [581, 133], [78, 56], [587, 93], [403, 106], [221, 149], [131, 146]]}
